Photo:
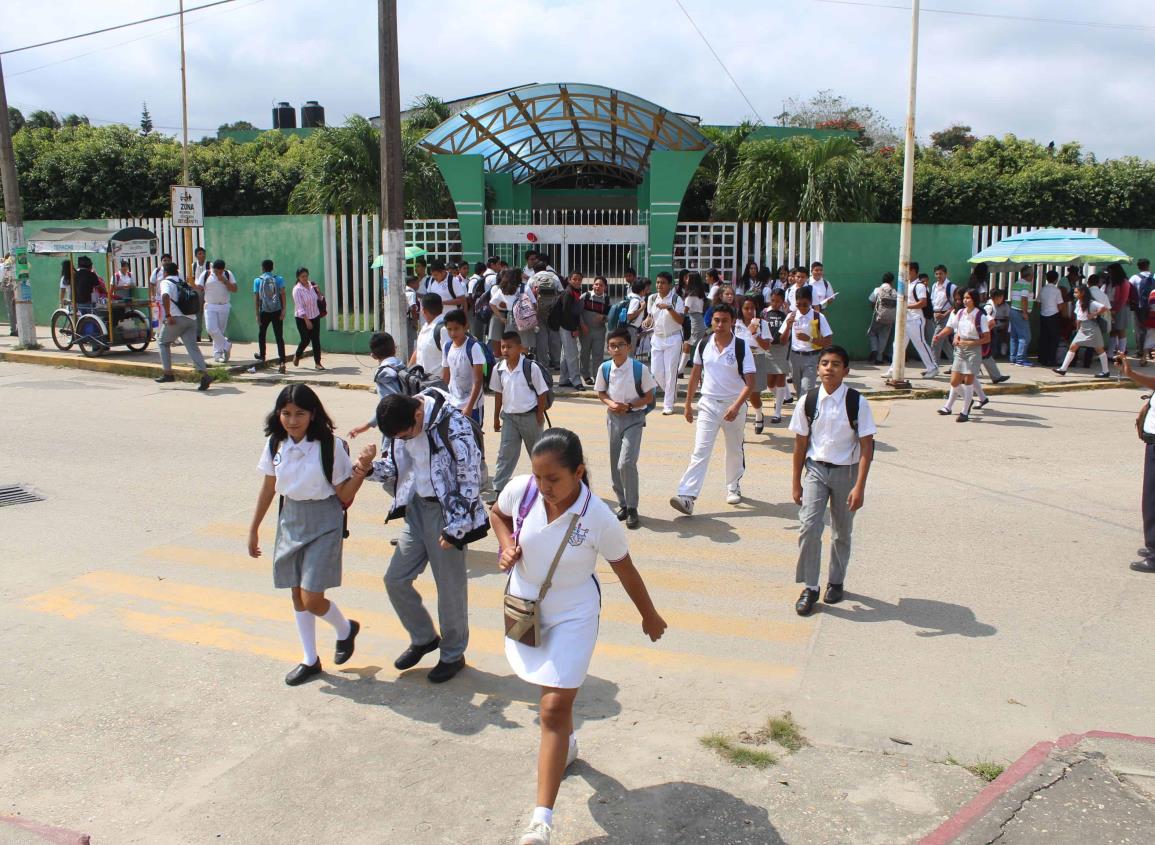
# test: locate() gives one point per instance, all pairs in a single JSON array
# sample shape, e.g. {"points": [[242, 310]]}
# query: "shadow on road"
{"points": [[468, 704], [675, 813], [717, 526], [936, 618]]}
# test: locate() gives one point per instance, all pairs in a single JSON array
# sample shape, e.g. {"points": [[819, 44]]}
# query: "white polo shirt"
{"points": [[940, 296], [297, 467], [1050, 298], [428, 354], [461, 360], [969, 326], [914, 293], [720, 376], [443, 290], [417, 449], [805, 324], [742, 330], [510, 382], [832, 440], [664, 324], [635, 303], [822, 290], [216, 291], [621, 386]]}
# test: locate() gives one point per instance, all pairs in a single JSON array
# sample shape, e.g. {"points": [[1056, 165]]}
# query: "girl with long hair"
{"points": [[1089, 334], [307, 299], [970, 328]]}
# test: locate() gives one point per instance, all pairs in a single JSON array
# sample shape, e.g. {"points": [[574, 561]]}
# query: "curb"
{"points": [[48, 833], [974, 810]]}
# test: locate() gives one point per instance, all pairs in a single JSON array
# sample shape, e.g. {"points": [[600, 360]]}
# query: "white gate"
{"points": [[727, 247]]}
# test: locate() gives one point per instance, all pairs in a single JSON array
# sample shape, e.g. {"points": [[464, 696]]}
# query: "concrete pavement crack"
{"points": [[1037, 790]]}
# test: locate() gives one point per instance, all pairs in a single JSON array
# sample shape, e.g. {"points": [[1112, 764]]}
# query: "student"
{"points": [[386, 380], [1097, 284], [307, 299], [970, 328], [917, 297], [431, 340], [463, 367], [723, 295], [269, 301], [177, 326], [695, 301], [1052, 309], [1119, 293], [1021, 298], [636, 311], [775, 318], [1089, 335], [754, 332], [942, 304], [746, 282], [8, 286], [217, 285], [502, 297], [798, 278], [713, 283], [724, 366], [551, 530], [519, 406], [832, 455], [1144, 284], [431, 465], [810, 333], [821, 291], [122, 282], [547, 287], [1145, 425], [569, 330], [441, 282], [309, 467], [199, 266], [626, 387], [412, 312], [880, 335], [665, 313], [595, 309], [999, 310]]}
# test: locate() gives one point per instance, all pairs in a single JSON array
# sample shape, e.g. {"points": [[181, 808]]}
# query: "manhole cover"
{"points": [[15, 494]]}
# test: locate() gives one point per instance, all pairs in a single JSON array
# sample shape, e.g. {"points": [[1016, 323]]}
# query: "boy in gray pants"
{"points": [[519, 406]]}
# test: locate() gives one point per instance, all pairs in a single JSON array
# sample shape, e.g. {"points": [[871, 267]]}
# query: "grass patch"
{"points": [[737, 754], [785, 731], [220, 373], [985, 770]]}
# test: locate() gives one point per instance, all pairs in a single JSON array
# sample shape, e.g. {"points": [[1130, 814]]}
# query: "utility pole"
{"points": [[186, 264], [14, 222], [392, 217], [899, 366]]}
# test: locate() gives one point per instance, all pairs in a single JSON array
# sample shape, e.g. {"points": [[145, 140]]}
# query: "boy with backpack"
{"points": [[833, 447], [464, 366], [724, 365], [884, 298], [810, 333], [431, 340], [269, 300], [626, 387], [546, 286], [523, 392], [390, 378], [569, 323]]}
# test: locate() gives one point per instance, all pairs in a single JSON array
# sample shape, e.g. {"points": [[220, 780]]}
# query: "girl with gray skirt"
{"points": [[971, 329], [310, 468], [1090, 334]]}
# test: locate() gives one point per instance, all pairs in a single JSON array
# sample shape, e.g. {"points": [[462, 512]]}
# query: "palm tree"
{"points": [[342, 171], [427, 112]]}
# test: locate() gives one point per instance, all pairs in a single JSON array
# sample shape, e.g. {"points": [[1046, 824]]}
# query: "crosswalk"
{"points": [[723, 580]]}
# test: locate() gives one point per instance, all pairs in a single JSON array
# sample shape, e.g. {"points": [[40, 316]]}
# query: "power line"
{"points": [[113, 28], [1022, 18], [721, 63]]}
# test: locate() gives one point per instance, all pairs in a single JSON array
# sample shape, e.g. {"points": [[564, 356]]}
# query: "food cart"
{"points": [[122, 318]]}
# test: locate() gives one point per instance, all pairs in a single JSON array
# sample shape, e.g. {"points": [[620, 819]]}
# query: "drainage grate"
{"points": [[18, 495]]}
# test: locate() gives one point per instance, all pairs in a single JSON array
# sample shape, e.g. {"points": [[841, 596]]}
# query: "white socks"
{"points": [[780, 393], [307, 631], [968, 397], [335, 618], [543, 815], [758, 416], [950, 397], [1103, 363], [982, 394], [1070, 359]]}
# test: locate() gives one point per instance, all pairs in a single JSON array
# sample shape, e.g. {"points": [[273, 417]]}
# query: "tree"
{"points": [[427, 112], [952, 138], [74, 120], [41, 119], [15, 119], [145, 120], [237, 126], [719, 162], [830, 110]]}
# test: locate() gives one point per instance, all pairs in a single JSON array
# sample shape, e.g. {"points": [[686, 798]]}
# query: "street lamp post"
{"points": [[392, 217]]}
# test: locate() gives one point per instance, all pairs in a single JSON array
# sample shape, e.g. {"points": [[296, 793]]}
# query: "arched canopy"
{"points": [[550, 133]]}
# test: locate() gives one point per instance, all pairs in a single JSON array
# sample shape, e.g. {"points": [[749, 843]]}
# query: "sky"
{"points": [[1036, 79]]}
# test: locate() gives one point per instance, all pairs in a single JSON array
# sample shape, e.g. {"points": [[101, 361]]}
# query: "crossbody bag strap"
{"points": [[561, 549]]}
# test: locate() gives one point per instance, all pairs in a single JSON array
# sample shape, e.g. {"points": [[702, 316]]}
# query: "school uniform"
{"points": [[821, 290], [182, 328], [761, 356], [635, 325], [804, 353], [966, 325], [431, 341], [217, 304], [518, 414], [310, 525], [829, 474], [916, 328], [595, 309], [460, 361], [778, 363], [665, 345], [625, 430], [942, 303], [723, 380]]}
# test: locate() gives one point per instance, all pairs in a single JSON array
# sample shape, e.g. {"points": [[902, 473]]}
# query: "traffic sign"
{"points": [[188, 209]]}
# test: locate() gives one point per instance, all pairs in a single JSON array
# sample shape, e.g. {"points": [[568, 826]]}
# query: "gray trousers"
{"points": [[937, 346], [516, 430], [570, 370], [625, 447], [547, 346], [881, 338], [804, 372], [183, 329], [992, 367], [10, 306], [822, 484], [417, 546], [593, 351]]}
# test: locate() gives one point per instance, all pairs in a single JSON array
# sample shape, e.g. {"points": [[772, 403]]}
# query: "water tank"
{"points": [[284, 117], [312, 115]]}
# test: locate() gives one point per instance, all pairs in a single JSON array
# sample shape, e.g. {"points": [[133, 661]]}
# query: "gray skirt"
{"points": [[1089, 335], [307, 553], [967, 360], [777, 365], [762, 364], [496, 327], [1121, 319]]}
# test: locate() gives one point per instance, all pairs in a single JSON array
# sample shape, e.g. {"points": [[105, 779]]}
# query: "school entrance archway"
{"points": [[552, 165]]}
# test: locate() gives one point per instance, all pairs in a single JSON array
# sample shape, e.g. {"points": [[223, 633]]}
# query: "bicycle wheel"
{"points": [[91, 337], [138, 329], [62, 332]]}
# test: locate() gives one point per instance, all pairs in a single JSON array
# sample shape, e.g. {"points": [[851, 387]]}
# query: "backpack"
{"points": [[886, 307], [1134, 301], [928, 309], [524, 312], [188, 300], [637, 383], [618, 314], [326, 444], [269, 293], [810, 406], [739, 351], [443, 426], [570, 318], [526, 363], [490, 360], [482, 309], [548, 294], [410, 380]]}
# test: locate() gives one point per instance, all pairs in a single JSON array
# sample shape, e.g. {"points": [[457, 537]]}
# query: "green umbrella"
{"points": [[411, 252], [1049, 246]]}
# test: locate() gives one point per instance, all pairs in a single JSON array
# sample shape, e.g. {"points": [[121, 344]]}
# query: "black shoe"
{"points": [[589, 381], [412, 655], [443, 671], [165, 379], [258, 356], [962, 418], [833, 593], [872, 358], [302, 673], [1145, 553], [1059, 371], [982, 403], [1001, 379], [789, 400], [806, 602], [345, 646], [206, 380], [1144, 566], [1102, 375], [393, 542], [759, 425], [621, 513], [944, 412], [775, 420], [632, 520]]}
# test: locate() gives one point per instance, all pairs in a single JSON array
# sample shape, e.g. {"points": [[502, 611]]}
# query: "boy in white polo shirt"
{"points": [[463, 367], [626, 387], [519, 406], [810, 333], [431, 340], [833, 447], [724, 365]]}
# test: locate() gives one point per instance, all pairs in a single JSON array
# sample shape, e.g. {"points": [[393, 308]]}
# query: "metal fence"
{"points": [[728, 247]]}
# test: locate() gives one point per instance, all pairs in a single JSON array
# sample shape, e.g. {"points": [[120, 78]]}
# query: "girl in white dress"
{"points": [[532, 518]]}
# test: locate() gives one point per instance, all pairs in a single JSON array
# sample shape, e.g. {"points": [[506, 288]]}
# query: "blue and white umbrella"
{"points": [[1049, 246]]}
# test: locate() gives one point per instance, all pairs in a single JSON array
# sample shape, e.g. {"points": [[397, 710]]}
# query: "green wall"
{"points": [[1138, 243]]}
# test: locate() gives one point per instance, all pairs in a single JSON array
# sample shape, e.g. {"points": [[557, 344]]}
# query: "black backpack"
{"points": [[188, 300], [739, 351], [326, 444], [810, 406]]}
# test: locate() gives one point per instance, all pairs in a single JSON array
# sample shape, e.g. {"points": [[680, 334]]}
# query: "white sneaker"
{"points": [[536, 834], [931, 373], [667, 412], [682, 504], [734, 497], [572, 754]]}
